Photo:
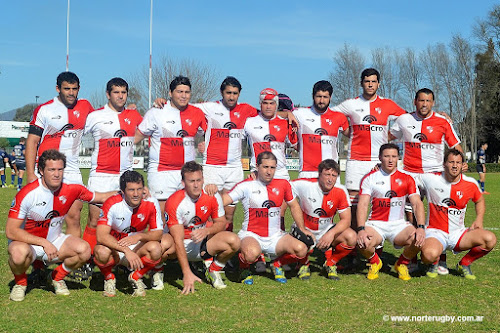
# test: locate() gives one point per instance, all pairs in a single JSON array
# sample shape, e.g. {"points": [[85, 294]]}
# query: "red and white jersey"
{"points": [[262, 204], [318, 136], [319, 207], [193, 214], [268, 135], [127, 221], [61, 128], [447, 202], [224, 132], [113, 134], [388, 194], [42, 210], [172, 135], [369, 122], [424, 141]]}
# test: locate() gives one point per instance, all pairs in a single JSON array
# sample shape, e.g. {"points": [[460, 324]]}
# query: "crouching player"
{"points": [[388, 189], [34, 225], [320, 199], [128, 233], [261, 230], [448, 195], [187, 212]]}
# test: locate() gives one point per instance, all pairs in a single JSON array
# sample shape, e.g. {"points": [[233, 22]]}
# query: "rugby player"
{"points": [[128, 233], [481, 165], [187, 213], [19, 153], [388, 189], [34, 225], [448, 194]]}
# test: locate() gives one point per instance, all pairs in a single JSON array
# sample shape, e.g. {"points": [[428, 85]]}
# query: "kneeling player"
{"points": [[34, 225], [261, 230], [187, 212], [388, 189], [122, 237], [448, 195], [320, 199]]}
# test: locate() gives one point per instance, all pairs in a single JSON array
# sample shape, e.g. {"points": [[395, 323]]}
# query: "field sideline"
{"points": [[353, 303]]}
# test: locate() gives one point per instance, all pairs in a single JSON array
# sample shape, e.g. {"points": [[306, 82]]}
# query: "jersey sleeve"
{"points": [[412, 187], [396, 129], [19, 207], [343, 107], [155, 221], [89, 124], [147, 125], [396, 110], [344, 200], [238, 192], [37, 123], [106, 217], [344, 123], [451, 137], [218, 207], [85, 194], [365, 187], [288, 195], [172, 213]]}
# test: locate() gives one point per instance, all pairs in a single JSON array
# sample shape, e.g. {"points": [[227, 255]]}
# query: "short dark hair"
{"points": [[116, 82], [190, 166], [369, 72], [454, 152], [50, 155], [426, 91], [322, 85], [388, 146], [328, 164], [230, 81], [179, 80], [22, 139], [130, 176], [266, 155], [69, 77]]}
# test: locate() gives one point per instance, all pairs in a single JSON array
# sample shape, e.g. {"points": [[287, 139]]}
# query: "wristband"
{"points": [[421, 226], [361, 228]]}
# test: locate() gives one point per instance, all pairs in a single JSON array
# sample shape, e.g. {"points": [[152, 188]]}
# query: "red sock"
{"points": [[106, 269], [90, 237], [243, 263], [38, 264], [285, 259], [402, 260], [60, 272], [216, 266], [148, 264], [374, 259], [341, 250], [473, 254], [262, 258], [21, 279], [328, 254]]}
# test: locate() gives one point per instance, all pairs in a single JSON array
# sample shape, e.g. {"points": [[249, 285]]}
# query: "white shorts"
{"points": [[267, 244], [162, 184], [39, 253], [321, 232], [104, 183], [388, 230], [223, 177], [448, 240], [355, 171], [123, 260], [192, 250]]}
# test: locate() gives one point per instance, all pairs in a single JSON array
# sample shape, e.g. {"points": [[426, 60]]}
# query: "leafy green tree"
{"points": [[24, 113]]}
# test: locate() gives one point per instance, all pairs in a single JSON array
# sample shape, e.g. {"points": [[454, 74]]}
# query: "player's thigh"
{"points": [[375, 237], [151, 247], [432, 248], [75, 210], [20, 251], [290, 244], [348, 236], [73, 246], [477, 237], [405, 236], [221, 241]]}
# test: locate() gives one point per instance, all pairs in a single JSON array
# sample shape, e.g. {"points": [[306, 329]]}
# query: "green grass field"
{"points": [[353, 303]]}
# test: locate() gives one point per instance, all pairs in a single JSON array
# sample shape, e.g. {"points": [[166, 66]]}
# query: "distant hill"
{"points": [[9, 115]]}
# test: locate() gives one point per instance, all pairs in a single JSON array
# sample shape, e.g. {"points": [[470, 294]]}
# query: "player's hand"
{"points": [[419, 237], [129, 240], [308, 233], [447, 116], [211, 189], [476, 225], [363, 239], [376, 167], [326, 241], [292, 121], [147, 193], [189, 280], [465, 167], [51, 251], [134, 260], [252, 175], [199, 234], [159, 102]]}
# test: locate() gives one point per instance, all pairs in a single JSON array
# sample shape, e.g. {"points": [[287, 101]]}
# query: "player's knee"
{"points": [[300, 249], [430, 254], [490, 240], [350, 237], [19, 254], [154, 249], [233, 241], [102, 253], [82, 249]]}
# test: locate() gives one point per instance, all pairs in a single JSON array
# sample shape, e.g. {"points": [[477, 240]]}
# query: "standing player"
{"points": [[4, 159], [187, 213], [172, 131], [58, 124], [388, 189], [19, 152], [34, 225], [369, 116], [447, 196], [261, 230], [320, 199], [128, 233], [113, 128], [318, 131], [481, 165]]}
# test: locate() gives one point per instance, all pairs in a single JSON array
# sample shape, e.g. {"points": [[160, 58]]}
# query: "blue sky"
{"points": [[286, 45]]}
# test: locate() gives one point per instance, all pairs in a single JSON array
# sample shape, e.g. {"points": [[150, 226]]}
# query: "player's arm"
{"points": [[138, 137], [30, 155], [219, 224], [361, 215], [14, 232], [418, 210], [189, 278], [226, 199], [344, 223], [296, 212], [290, 116], [480, 210], [100, 197], [104, 237]]}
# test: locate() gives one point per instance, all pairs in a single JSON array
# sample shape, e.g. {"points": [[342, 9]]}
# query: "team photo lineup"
{"points": [[183, 211]]}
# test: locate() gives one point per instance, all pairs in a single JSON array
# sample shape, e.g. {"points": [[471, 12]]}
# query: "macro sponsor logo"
{"points": [[449, 202], [230, 125], [371, 128], [369, 118], [321, 131], [269, 137], [390, 194], [320, 212], [266, 214], [182, 133], [52, 214], [194, 221], [115, 144], [419, 145], [227, 134], [268, 204], [420, 137], [326, 141], [177, 142], [129, 229], [120, 133], [385, 204]]}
